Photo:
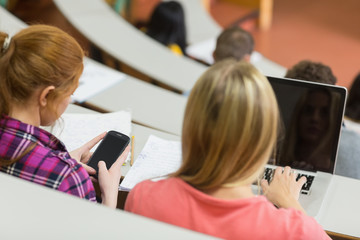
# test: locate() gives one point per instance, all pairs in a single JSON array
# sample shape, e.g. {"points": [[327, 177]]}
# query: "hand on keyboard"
{"points": [[284, 189], [269, 173]]}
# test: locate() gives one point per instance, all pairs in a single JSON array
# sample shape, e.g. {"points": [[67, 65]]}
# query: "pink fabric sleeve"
{"points": [[78, 183]]}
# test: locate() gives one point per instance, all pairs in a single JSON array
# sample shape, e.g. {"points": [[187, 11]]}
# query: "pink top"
{"points": [[176, 202]]}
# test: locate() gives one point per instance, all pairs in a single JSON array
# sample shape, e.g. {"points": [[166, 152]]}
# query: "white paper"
{"points": [[76, 129], [95, 79], [158, 158], [203, 50]]}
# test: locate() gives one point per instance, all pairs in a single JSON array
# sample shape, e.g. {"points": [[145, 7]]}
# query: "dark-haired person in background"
{"points": [[167, 26], [234, 42]]}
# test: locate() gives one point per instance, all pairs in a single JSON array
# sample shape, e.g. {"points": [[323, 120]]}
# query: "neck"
{"points": [[231, 192], [28, 114]]}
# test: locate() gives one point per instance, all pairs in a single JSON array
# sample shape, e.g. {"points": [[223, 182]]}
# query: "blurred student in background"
{"points": [[234, 42], [229, 132], [167, 26], [312, 71], [348, 161]]}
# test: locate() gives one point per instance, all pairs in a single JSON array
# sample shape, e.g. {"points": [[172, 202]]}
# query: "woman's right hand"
{"points": [[284, 190], [109, 179]]}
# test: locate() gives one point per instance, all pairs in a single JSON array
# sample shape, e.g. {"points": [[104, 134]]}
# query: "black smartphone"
{"points": [[109, 149]]}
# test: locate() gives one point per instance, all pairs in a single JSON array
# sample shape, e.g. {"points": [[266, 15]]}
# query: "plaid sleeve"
{"points": [[78, 183]]}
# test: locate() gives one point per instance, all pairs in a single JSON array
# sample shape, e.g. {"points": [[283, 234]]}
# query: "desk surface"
{"points": [[109, 31], [149, 105], [341, 208], [31, 211], [141, 134]]}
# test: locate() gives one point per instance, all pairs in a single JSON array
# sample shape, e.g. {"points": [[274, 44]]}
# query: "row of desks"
{"points": [[341, 206], [106, 29]]}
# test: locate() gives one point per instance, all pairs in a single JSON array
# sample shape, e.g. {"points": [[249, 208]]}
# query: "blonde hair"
{"points": [[230, 126], [36, 57]]}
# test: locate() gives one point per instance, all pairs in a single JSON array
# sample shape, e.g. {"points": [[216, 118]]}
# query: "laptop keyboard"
{"points": [[269, 173]]}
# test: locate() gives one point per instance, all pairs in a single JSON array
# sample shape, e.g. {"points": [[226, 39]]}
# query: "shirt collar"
{"points": [[30, 132]]}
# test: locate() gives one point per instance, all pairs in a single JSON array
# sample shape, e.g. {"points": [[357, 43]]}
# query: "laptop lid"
{"points": [[311, 119]]}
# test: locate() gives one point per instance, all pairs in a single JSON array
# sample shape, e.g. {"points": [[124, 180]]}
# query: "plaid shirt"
{"points": [[47, 163]]}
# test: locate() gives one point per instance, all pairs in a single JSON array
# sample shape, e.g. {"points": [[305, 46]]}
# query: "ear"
{"points": [[44, 94], [213, 55], [247, 57]]}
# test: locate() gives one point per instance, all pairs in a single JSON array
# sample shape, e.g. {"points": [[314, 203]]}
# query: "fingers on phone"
{"points": [[127, 150], [95, 140], [101, 165], [89, 169]]}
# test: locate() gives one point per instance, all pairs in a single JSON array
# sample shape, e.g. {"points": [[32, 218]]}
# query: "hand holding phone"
{"points": [[109, 180], [111, 147]]}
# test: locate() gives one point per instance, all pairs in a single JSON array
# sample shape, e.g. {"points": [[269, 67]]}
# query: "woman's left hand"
{"points": [[83, 154]]}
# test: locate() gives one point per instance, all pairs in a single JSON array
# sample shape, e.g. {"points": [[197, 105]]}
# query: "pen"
{"points": [[132, 151]]}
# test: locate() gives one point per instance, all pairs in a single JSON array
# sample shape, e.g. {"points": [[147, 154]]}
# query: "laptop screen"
{"points": [[311, 118]]}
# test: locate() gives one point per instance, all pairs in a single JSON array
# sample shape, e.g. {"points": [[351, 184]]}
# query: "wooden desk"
{"points": [[109, 31]]}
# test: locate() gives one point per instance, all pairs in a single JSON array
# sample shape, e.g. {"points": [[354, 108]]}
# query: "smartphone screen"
{"points": [[110, 148]]}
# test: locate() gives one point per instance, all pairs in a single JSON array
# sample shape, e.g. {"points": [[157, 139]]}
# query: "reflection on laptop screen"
{"points": [[311, 116]]}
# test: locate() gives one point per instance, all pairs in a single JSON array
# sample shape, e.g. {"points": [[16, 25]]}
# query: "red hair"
{"points": [[37, 57]]}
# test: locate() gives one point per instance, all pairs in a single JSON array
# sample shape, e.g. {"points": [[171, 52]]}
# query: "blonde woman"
{"points": [[229, 132]]}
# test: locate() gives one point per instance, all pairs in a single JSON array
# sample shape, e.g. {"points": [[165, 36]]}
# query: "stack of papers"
{"points": [[158, 158], [76, 129]]}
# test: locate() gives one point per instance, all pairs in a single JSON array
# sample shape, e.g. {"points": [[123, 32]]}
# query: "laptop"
{"points": [[311, 119]]}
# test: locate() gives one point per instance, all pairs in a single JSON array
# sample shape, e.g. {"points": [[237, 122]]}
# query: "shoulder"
{"points": [[53, 160], [351, 124], [294, 224], [55, 165], [348, 146], [152, 192], [290, 223], [155, 186]]}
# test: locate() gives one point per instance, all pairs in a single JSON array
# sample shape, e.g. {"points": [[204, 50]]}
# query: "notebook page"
{"points": [[95, 79], [158, 158], [76, 129]]}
